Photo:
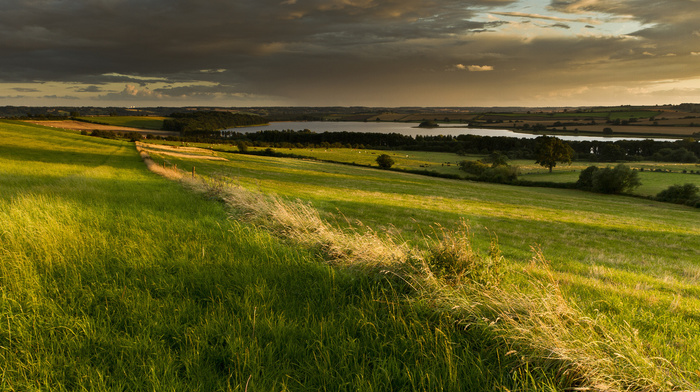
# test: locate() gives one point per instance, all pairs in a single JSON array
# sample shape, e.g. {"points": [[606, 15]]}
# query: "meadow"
{"points": [[114, 278], [654, 176], [626, 262]]}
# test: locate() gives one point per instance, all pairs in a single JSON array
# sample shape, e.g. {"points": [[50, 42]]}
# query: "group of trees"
{"points": [[618, 179], [132, 136], [493, 168], [210, 123], [688, 194], [686, 150]]}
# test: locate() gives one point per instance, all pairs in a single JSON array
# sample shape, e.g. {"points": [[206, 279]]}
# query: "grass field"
{"points": [[653, 181], [112, 278], [629, 261], [151, 122]]}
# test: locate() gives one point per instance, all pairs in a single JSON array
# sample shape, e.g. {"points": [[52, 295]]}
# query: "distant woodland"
{"points": [[684, 150], [209, 123]]}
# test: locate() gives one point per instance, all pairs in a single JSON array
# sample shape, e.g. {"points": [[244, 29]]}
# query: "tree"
{"points": [[384, 161], [242, 146], [551, 150]]}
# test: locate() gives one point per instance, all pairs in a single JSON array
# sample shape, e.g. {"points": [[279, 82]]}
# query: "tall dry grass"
{"points": [[535, 324]]}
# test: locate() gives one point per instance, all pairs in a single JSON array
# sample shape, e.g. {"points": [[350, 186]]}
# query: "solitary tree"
{"points": [[384, 161], [551, 150]]}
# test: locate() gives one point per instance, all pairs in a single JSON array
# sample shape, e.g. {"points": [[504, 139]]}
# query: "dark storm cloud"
{"points": [[71, 39], [338, 51]]}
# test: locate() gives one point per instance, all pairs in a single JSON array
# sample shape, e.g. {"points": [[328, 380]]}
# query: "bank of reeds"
{"points": [[533, 325]]}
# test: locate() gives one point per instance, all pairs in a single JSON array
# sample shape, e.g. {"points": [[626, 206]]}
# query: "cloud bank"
{"points": [[345, 52]]}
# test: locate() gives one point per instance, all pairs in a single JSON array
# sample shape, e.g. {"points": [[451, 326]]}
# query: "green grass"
{"points": [[624, 260], [141, 122], [113, 278], [447, 163], [652, 181]]}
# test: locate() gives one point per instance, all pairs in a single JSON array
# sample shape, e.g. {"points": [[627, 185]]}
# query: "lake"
{"points": [[410, 129]]}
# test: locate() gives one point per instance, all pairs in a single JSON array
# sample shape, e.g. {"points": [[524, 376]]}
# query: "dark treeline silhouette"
{"points": [[686, 150], [208, 124]]}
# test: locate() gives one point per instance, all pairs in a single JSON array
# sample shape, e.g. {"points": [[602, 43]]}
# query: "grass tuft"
{"points": [[452, 257]]}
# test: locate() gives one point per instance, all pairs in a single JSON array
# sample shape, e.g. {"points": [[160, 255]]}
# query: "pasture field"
{"points": [[142, 122], [114, 278], [655, 176], [631, 262]]}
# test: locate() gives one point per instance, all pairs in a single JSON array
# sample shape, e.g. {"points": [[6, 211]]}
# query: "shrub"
{"points": [[476, 168], [615, 180], [608, 180], [585, 179], [384, 161], [680, 194], [500, 174]]}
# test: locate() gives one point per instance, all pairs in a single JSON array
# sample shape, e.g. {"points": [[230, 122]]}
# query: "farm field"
{"points": [[655, 176], [115, 278]]}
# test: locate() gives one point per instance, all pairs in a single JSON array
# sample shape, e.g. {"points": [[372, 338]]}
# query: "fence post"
{"points": [[193, 172]]}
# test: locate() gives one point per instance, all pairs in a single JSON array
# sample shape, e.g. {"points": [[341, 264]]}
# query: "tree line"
{"points": [[209, 124], [686, 150]]}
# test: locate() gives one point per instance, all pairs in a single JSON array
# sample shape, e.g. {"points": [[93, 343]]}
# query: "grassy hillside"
{"points": [[113, 278], [626, 262]]}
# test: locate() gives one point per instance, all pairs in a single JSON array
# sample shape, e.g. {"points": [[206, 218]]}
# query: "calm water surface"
{"points": [[409, 129]]}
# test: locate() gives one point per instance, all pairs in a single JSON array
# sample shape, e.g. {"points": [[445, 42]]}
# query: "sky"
{"points": [[382, 53]]}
